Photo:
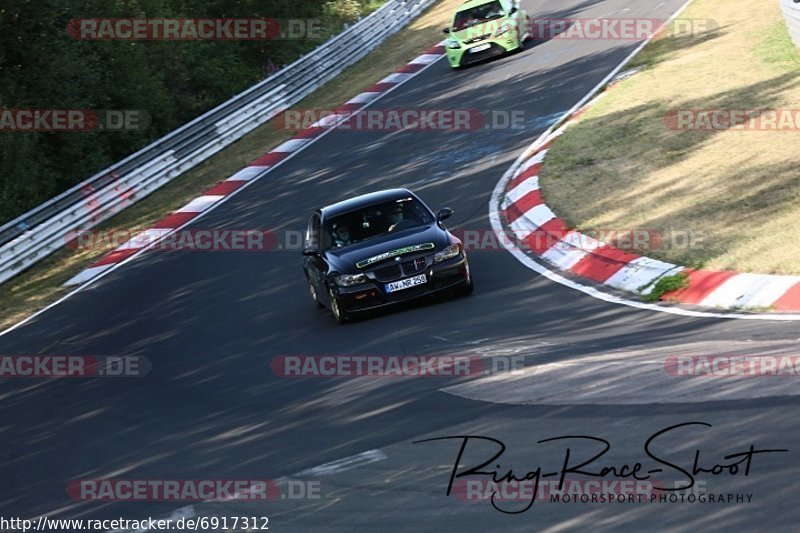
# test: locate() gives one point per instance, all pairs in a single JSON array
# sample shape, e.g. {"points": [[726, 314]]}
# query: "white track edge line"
{"points": [[499, 191], [216, 205]]}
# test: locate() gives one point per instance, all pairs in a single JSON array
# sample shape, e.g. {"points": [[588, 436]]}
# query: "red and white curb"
{"points": [[257, 169], [548, 237]]}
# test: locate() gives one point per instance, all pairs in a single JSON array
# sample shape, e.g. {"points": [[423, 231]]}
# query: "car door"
{"points": [[315, 266]]}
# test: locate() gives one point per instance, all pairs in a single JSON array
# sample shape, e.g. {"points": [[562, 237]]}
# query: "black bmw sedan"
{"points": [[379, 249]]}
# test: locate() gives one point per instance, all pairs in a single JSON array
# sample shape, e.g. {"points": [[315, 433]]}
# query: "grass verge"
{"points": [[734, 193], [666, 284], [44, 283]]}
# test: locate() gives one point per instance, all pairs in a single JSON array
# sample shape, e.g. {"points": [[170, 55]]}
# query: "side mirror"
{"points": [[444, 213], [446, 30], [513, 10], [311, 250]]}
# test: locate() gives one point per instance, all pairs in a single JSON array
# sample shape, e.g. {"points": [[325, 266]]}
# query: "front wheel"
{"points": [[525, 35], [520, 45], [466, 289], [340, 315], [314, 296]]}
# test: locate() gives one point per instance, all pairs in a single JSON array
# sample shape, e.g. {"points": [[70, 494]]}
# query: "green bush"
{"points": [[667, 284]]}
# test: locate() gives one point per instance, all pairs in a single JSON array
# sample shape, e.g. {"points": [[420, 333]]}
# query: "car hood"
{"points": [[361, 257], [488, 27]]}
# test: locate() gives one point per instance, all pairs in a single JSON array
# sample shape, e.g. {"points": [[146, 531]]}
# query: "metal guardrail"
{"points": [[791, 12], [46, 228]]}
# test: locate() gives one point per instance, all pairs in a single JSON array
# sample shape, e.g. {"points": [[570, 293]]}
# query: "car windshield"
{"points": [[476, 15], [374, 221]]}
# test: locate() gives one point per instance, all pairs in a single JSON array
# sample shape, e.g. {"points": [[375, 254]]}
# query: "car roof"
{"points": [[469, 4], [364, 200]]}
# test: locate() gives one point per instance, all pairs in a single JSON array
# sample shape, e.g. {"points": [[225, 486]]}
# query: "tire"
{"points": [[522, 42], [340, 316], [520, 46], [466, 290], [314, 296]]}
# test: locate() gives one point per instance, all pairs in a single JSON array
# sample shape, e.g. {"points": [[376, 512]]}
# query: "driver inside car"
{"points": [[402, 217], [395, 217], [341, 236]]}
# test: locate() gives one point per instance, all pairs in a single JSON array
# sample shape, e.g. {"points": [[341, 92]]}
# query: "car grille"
{"points": [[413, 267], [389, 273], [398, 270], [493, 50], [477, 39]]}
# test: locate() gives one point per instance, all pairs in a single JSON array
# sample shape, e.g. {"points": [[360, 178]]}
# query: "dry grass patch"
{"points": [[622, 167]]}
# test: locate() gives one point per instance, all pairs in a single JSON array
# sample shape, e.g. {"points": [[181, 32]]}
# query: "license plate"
{"points": [[479, 48], [406, 283]]}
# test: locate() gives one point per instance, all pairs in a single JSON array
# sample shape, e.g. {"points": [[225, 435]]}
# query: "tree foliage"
{"points": [[41, 66]]}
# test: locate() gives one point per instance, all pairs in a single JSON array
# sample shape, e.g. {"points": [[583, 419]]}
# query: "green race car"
{"points": [[485, 28]]}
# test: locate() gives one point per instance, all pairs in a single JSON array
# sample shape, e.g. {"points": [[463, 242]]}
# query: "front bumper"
{"points": [[443, 276], [459, 57]]}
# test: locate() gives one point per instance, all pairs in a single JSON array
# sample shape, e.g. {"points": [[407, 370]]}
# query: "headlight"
{"points": [[348, 280], [453, 43], [448, 253], [505, 28]]}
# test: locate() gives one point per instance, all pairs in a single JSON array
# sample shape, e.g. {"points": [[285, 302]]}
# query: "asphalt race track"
{"points": [[210, 323]]}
